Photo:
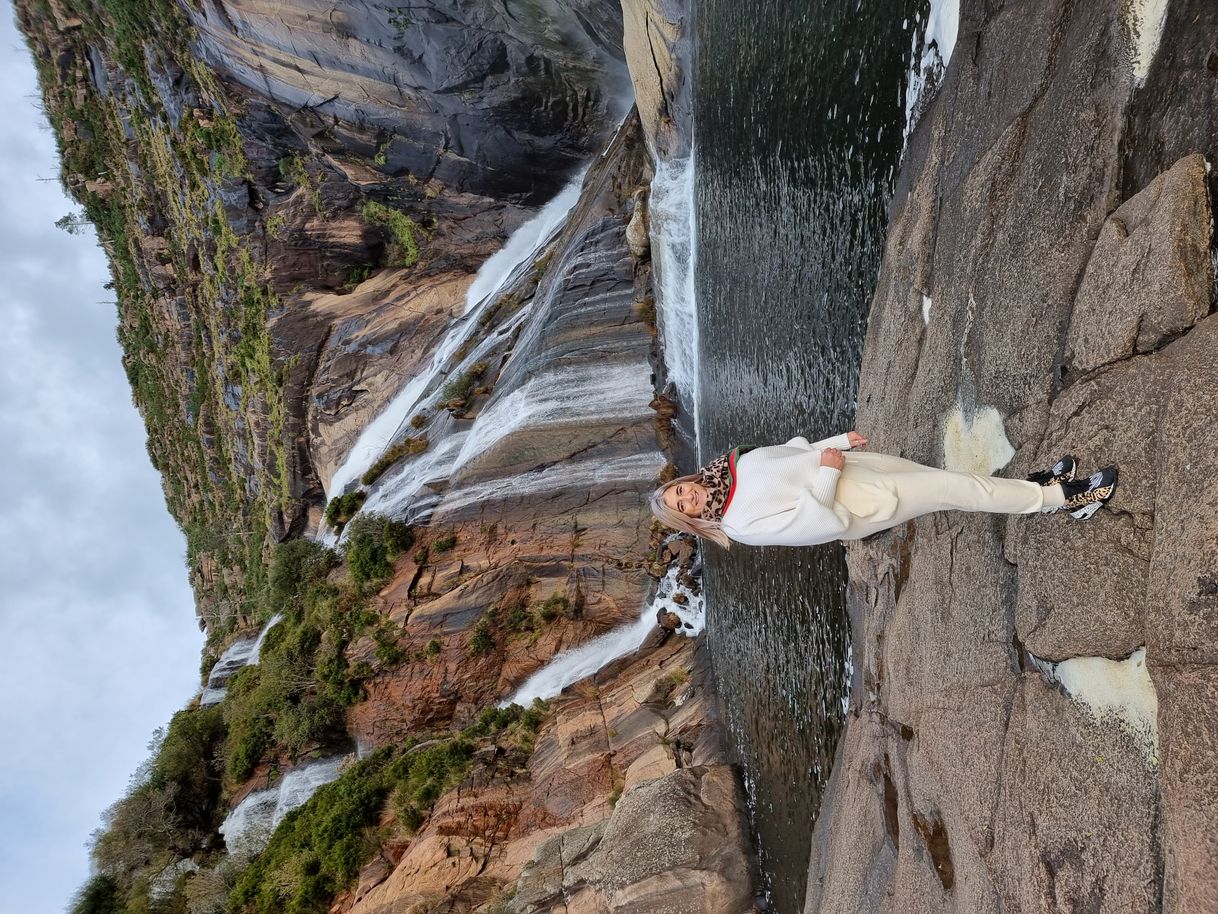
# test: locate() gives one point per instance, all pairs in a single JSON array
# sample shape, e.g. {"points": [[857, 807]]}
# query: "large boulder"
{"points": [[1004, 751]]}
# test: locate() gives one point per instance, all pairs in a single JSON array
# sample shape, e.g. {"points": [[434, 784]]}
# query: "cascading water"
{"points": [[579, 662], [499, 272], [674, 251], [241, 653], [612, 392], [249, 826]]}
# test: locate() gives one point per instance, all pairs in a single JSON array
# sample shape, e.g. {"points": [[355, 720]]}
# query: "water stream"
{"points": [[239, 654], [800, 113]]}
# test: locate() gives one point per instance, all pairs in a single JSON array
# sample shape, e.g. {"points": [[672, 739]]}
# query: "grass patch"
{"points": [[404, 231], [404, 448], [461, 385]]}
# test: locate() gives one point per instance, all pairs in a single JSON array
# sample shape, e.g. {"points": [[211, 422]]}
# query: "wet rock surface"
{"points": [[1060, 217], [499, 100]]}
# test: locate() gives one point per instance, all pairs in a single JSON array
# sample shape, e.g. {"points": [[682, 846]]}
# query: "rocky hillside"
{"points": [[231, 209], [295, 200], [1032, 725]]}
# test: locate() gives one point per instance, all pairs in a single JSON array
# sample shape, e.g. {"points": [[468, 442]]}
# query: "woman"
{"points": [[801, 494]]}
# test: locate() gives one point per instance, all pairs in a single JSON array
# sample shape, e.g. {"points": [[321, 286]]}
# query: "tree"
{"points": [[73, 223]]}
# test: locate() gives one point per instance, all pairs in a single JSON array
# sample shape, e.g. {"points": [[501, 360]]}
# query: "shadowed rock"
{"points": [[1073, 291]]}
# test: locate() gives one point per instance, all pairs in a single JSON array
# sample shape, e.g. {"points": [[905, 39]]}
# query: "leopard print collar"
{"points": [[719, 480]]}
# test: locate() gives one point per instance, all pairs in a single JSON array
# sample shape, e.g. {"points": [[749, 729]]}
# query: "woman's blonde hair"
{"points": [[698, 526]]}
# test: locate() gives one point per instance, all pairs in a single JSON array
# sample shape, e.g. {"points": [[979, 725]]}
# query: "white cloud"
{"points": [[98, 643]]}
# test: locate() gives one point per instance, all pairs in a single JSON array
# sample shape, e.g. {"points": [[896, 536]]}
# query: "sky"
{"points": [[98, 640]]}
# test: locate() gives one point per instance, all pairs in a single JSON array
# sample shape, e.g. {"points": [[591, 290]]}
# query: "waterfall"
{"points": [[501, 266], [561, 397], [241, 653], [674, 252], [498, 272], [582, 474], [579, 662], [249, 826], [929, 57]]}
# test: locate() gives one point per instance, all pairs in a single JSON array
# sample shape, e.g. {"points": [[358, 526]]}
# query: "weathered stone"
{"points": [[1188, 745], [469, 113], [657, 35], [965, 781], [1153, 258]]}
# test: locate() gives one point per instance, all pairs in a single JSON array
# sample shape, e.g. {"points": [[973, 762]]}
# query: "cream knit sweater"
{"points": [[783, 496]]}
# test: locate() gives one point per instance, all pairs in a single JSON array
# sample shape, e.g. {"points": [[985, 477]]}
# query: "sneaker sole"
{"points": [[1088, 511]]}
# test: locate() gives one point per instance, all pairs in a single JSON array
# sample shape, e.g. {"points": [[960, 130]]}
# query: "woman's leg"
{"points": [[930, 489]]}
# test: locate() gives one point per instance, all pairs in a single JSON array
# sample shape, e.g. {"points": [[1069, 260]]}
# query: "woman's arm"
{"points": [[843, 442], [806, 524]]}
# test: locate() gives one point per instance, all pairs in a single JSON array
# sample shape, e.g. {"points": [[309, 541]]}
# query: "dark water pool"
{"points": [[799, 118]]}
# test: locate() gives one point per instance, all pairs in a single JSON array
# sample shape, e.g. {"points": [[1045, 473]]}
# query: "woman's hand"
{"points": [[832, 457], [856, 440]]}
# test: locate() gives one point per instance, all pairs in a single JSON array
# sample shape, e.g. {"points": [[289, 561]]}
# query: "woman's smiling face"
{"points": [[688, 498]]}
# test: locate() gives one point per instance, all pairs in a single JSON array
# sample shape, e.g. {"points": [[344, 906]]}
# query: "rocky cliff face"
{"points": [[1033, 698], [294, 229], [500, 101]]}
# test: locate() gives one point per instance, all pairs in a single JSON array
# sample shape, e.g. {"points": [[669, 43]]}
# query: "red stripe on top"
{"points": [[731, 467]]}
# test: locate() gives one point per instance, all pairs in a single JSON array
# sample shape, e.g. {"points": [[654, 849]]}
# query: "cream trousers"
{"points": [[882, 491]]}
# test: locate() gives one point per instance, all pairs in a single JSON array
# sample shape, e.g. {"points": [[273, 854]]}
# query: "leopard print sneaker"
{"points": [[1062, 471], [1086, 496]]}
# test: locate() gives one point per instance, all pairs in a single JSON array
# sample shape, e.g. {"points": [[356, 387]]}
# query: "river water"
{"points": [[800, 110]]}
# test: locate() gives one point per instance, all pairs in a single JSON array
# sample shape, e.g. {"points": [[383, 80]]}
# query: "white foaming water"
{"points": [[525, 241], [674, 251], [583, 661], [401, 485], [582, 475], [248, 828], [381, 431], [565, 396], [1144, 20], [239, 654], [938, 40]]}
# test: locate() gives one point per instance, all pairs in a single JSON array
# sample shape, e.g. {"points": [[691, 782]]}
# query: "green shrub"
{"points": [[404, 230], [387, 650], [432, 649], [482, 641], [342, 508], [444, 543], [554, 606], [100, 895], [461, 385], [373, 543], [356, 273], [297, 565], [403, 448]]}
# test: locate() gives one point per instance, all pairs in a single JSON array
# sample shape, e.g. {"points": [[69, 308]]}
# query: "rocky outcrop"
{"points": [[979, 772], [627, 804], [658, 35], [500, 101]]}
